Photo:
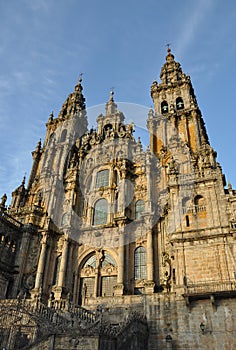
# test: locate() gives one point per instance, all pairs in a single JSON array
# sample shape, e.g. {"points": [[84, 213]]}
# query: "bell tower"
{"points": [[176, 109], [190, 182]]}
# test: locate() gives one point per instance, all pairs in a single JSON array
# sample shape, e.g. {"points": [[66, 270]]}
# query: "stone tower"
{"points": [[111, 246]]}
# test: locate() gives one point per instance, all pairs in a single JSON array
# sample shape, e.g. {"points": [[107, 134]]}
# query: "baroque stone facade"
{"points": [[111, 246]]}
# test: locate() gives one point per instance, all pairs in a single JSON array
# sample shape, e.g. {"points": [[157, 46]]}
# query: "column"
{"points": [[121, 253], [96, 283], [149, 256], [21, 259], [41, 263], [149, 285], [63, 265], [149, 184]]}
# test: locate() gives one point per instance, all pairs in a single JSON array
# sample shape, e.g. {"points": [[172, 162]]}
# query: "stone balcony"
{"points": [[210, 290], [194, 209]]}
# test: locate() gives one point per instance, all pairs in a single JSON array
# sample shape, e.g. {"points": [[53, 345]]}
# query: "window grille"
{"points": [[87, 286], [108, 283]]}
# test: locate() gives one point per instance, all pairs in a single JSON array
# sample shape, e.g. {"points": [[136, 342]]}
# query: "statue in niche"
{"points": [[172, 166], [129, 131], [121, 132]]}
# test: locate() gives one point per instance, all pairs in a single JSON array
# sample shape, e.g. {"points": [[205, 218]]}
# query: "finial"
{"points": [[79, 87], [80, 78], [51, 116], [112, 94], [168, 48], [151, 112], [38, 147], [23, 181]]}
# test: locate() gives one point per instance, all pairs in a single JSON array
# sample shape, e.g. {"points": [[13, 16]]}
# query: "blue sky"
{"points": [[45, 44]]}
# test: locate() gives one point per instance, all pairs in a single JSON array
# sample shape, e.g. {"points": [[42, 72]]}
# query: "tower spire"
{"points": [[75, 102], [175, 100], [111, 106]]}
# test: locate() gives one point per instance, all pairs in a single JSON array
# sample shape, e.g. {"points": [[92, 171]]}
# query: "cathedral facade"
{"points": [[112, 246]]}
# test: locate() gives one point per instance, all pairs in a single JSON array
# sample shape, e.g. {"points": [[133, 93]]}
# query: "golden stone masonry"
{"points": [[115, 247]]}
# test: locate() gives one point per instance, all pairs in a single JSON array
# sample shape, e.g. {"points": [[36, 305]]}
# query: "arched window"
{"points": [[164, 107], [186, 204], [63, 135], [65, 219], [103, 270], [51, 139], [56, 270], [199, 200], [100, 212], [140, 263], [139, 208], [179, 103], [90, 262], [108, 260], [200, 204], [102, 179]]}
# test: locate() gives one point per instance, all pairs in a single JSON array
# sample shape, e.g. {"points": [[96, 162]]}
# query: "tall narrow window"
{"points": [[65, 219], [63, 135], [140, 263], [102, 179], [187, 221], [100, 212], [139, 208]]}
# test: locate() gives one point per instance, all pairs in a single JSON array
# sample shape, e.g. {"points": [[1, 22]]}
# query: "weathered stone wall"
{"points": [[63, 342], [170, 316]]}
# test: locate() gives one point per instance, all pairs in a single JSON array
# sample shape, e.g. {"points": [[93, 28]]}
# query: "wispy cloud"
{"points": [[191, 26]]}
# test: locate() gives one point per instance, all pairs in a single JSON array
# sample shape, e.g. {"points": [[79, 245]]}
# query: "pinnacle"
{"points": [[75, 102], [111, 106]]}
